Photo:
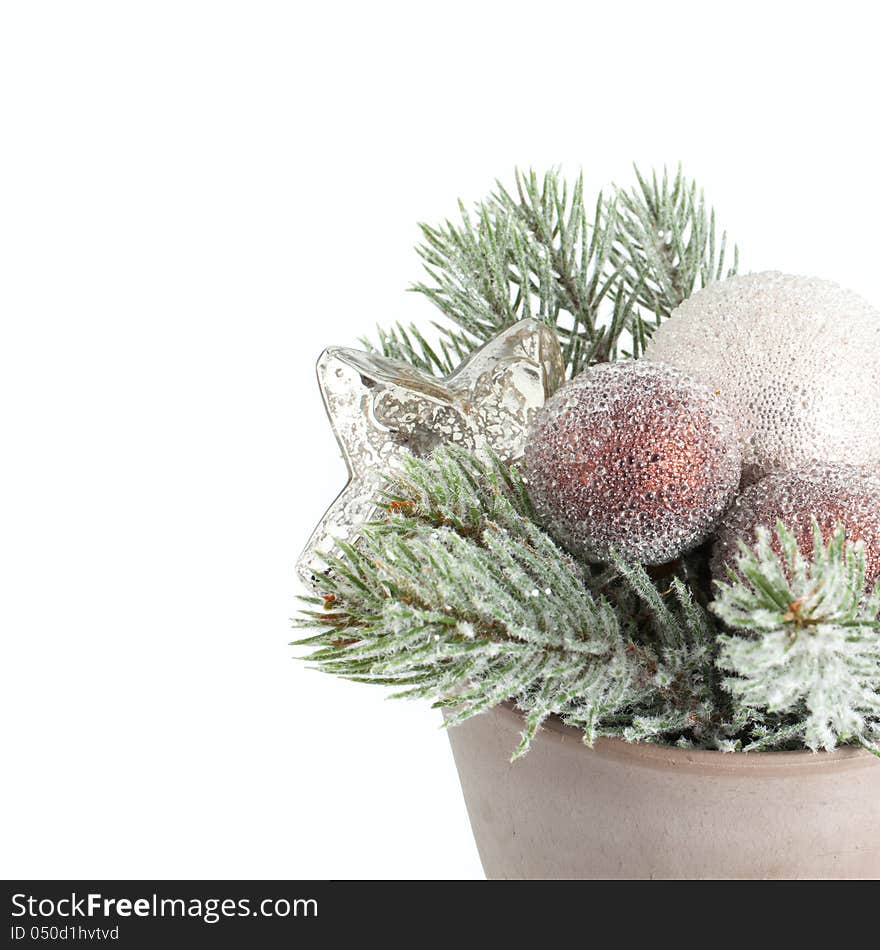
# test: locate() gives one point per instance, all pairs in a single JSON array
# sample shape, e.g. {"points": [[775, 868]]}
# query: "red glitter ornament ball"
{"points": [[634, 457], [830, 493]]}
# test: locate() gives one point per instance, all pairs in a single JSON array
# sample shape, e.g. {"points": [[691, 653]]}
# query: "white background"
{"points": [[196, 199]]}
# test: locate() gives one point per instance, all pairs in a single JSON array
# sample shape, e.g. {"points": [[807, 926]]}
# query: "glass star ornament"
{"points": [[381, 410]]}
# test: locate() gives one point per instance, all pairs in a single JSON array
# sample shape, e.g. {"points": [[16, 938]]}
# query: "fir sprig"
{"points": [[534, 252], [807, 646], [459, 596], [603, 274], [666, 244]]}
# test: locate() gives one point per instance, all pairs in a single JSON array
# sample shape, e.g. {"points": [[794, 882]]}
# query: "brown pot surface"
{"points": [[638, 810]]}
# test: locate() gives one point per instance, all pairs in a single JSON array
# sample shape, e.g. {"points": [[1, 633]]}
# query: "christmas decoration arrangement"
{"points": [[616, 482]]}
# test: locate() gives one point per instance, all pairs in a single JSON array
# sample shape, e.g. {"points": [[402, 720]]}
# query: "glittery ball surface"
{"points": [[632, 456], [797, 359], [830, 493]]}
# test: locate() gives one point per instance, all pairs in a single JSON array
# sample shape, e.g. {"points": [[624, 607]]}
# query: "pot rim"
{"points": [[655, 756]]}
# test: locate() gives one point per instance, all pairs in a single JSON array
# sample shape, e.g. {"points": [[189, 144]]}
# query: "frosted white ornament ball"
{"points": [[797, 359]]}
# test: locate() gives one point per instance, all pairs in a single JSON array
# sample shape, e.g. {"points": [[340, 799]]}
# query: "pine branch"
{"points": [[535, 252], [457, 595], [808, 646], [666, 245], [539, 250]]}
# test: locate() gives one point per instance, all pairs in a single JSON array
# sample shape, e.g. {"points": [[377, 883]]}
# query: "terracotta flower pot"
{"points": [[624, 810]]}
